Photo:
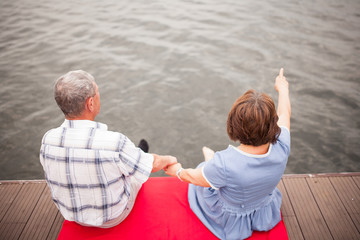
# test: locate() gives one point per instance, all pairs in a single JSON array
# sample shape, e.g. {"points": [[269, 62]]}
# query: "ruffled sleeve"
{"points": [[214, 172]]}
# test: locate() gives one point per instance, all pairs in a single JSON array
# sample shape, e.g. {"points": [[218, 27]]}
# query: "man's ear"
{"points": [[90, 104]]}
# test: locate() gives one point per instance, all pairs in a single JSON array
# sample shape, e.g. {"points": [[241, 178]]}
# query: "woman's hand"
{"points": [[284, 106], [281, 84], [171, 170]]}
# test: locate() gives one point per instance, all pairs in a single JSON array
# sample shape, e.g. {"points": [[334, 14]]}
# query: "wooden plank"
{"points": [[290, 220], [286, 208], [349, 195], [16, 217], [39, 223], [338, 220], [293, 228], [312, 175], [311, 221], [56, 227], [357, 181], [8, 192]]}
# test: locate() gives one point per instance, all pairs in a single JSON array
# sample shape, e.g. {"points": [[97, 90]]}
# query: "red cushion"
{"points": [[161, 211]]}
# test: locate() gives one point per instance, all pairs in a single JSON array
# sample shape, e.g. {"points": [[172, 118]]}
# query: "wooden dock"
{"points": [[319, 206]]}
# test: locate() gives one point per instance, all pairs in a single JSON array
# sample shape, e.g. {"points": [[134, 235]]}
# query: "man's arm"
{"points": [[189, 175], [284, 106], [161, 162]]}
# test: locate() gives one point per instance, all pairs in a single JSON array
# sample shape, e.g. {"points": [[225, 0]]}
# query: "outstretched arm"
{"points": [[162, 162], [284, 106], [189, 175]]}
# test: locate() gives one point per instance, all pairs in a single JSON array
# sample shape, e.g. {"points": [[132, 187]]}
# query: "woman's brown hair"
{"points": [[253, 120]]}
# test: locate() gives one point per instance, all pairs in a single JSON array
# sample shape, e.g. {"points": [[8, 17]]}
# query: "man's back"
{"points": [[94, 175], [90, 170]]}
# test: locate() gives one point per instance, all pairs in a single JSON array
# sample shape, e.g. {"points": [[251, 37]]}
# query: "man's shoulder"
{"points": [[61, 130], [110, 135], [93, 136], [52, 134], [53, 131]]}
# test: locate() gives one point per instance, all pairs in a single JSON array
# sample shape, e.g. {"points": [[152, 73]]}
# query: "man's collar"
{"points": [[84, 124]]}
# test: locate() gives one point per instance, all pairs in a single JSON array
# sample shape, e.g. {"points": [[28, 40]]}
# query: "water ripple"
{"points": [[169, 71]]}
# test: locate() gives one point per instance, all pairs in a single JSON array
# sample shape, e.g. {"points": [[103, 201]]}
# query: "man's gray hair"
{"points": [[72, 90]]}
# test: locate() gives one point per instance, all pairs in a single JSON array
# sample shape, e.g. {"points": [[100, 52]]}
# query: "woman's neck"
{"points": [[259, 150]]}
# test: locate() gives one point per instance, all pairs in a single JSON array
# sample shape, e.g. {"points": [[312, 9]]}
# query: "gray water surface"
{"points": [[169, 71]]}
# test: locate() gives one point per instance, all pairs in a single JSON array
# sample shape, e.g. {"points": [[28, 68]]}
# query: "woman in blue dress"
{"points": [[234, 191]]}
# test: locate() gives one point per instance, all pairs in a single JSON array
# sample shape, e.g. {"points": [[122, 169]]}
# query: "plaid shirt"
{"points": [[89, 170]]}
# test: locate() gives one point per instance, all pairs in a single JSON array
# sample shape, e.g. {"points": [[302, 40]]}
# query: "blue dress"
{"points": [[243, 195]]}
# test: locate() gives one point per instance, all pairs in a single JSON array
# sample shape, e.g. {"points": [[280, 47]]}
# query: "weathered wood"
{"points": [[56, 227], [312, 175], [8, 193], [17, 216], [286, 207], [337, 219], [310, 219], [290, 219], [39, 223], [357, 181], [349, 194], [318, 206], [293, 228]]}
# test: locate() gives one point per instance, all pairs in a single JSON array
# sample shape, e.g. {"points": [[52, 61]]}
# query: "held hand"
{"points": [[161, 162], [281, 84], [170, 160], [171, 170]]}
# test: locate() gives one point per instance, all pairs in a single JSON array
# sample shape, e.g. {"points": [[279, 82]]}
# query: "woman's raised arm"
{"points": [[284, 106]]}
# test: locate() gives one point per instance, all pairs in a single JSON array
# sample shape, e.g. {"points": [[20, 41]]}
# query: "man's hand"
{"points": [[171, 170], [169, 160], [161, 162]]}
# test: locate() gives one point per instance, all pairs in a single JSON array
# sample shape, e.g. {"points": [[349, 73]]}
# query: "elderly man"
{"points": [[94, 174]]}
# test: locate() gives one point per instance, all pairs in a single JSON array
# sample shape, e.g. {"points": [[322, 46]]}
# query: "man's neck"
{"points": [[81, 117]]}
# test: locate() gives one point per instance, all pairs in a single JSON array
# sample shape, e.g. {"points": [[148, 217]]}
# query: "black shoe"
{"points": [[143, 145]]}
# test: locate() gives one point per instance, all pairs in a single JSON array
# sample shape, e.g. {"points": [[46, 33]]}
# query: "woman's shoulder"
{"points": [[226, 153]]}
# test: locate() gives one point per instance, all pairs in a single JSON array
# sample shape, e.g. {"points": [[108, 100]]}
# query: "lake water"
{"points": [[169, 71]]}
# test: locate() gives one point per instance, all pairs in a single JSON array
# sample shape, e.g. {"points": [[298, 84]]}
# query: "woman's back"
{"points": [[249, 177], [243, 196]]}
